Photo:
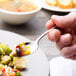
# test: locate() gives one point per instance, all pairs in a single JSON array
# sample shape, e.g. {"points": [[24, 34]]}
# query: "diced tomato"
{"points": [[14, 70], [12, 74], [19, 10], [17, 46], [3, 69], [22, 54]]}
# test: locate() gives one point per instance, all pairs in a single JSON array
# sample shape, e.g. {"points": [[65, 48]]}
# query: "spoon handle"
{"points": [[44, 34]]}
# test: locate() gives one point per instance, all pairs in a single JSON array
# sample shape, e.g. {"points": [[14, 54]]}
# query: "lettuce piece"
{"points": [[18, 74], [19, 62], [1, 52], [5, 59], [5, 49]]}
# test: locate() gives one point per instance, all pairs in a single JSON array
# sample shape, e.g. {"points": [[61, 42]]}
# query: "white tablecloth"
{"points": [[60, 66]]}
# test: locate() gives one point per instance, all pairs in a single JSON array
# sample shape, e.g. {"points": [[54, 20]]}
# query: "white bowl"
{"points": [[19, 17]]}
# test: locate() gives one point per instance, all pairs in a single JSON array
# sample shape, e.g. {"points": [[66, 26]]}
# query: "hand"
{"points": [[64, 34]]}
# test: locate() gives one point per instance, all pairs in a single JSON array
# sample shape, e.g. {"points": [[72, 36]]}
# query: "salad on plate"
{"points": [[12, 61]]}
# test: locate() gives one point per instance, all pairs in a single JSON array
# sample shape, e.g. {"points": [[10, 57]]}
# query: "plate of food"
{"points": [[16, 64], [60, 5]]}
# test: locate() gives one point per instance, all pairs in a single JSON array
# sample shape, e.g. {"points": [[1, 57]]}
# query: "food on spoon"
{"points": [[19, 62], [25, 50], [21, 50], [5, 59], [51, 2], [64, 4], [18, 5]]}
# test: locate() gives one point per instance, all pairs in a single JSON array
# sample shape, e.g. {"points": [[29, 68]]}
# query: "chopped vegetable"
{"points": [[10, 65], [28, 47], [4, 49], [19, 62], [22, 54], [21, 50], [13, 74], [27, 52], [18, 50], [3, 69], [1, 66], [19, 10], [18, 74], [0, 72], [5, 59], [1, 52]]}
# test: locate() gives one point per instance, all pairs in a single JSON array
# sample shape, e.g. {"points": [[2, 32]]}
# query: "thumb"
{"points": [[63, 22]]}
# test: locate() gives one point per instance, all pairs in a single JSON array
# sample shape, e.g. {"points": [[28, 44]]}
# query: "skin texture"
{"points": [[64, 34]]}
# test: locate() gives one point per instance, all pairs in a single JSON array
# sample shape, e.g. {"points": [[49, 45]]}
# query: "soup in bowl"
{"points": [[18, 5], [18, 11]]}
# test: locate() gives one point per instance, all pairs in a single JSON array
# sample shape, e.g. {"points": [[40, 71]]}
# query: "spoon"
{"points": [[34, 45]]}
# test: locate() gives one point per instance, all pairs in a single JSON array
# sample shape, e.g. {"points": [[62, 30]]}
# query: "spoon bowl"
{"points": [[33, 44]]}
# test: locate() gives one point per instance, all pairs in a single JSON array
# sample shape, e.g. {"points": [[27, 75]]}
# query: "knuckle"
{"points": [[65, 52]]}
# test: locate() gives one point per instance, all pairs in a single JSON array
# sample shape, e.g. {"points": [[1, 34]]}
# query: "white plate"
{"points": [[37, 63], [51, 8]]}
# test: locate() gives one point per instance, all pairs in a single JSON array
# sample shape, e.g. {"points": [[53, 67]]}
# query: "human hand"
{"points": [[64, 34]]}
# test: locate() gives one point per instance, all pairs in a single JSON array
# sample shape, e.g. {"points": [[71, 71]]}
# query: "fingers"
{"points": [[72, 57], [63, 21], [54, 35], [49, 24], [64, 40], [69, 52], [67, 21]]}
